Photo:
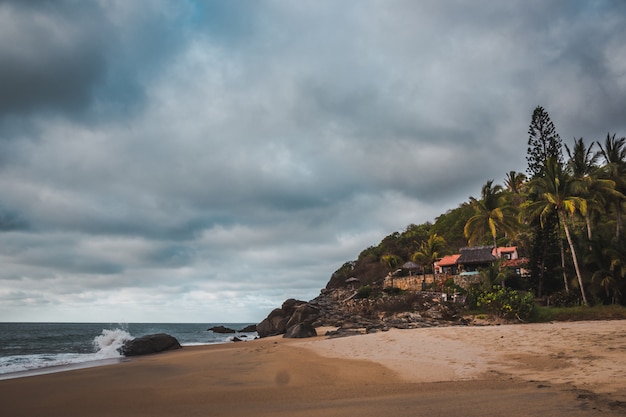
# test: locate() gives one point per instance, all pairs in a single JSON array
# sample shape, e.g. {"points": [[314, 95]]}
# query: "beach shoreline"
{"points": [[515, 370]]}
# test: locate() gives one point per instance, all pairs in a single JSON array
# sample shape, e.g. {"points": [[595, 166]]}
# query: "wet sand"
{"points": [[560, 369]]}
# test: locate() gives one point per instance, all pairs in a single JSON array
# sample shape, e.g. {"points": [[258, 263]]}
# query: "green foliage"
{"points": [[570, 225], [492, 213], [450, 226], [543, 143], [364, 292], [547, 314], [506, 304], [564, 299]]}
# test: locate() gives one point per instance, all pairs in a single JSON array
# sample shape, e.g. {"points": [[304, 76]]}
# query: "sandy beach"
{"points": [[556, 369]]}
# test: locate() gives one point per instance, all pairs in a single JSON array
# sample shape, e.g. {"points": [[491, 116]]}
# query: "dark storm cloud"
{"points": [[51, 56], [79, 58]]}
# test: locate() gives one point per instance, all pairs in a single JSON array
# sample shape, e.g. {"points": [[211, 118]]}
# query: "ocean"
{"points": [[52, 346]]}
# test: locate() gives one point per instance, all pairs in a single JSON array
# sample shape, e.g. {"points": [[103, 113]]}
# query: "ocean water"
{"points": [[43, 346]]}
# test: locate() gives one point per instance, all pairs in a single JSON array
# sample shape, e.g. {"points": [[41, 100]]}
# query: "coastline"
{"points": [[552, 369]]}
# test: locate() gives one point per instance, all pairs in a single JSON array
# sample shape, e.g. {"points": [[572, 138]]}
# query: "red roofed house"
{"points": [[512, 259], [447, 265]]}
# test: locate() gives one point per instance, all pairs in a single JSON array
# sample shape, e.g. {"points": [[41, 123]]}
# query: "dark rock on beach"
{"points": [[300, 331], [152, 343], [221, 329], [274, 324]]}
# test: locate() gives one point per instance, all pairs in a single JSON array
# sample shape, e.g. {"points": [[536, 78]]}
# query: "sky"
{"points": [[203, 161]]}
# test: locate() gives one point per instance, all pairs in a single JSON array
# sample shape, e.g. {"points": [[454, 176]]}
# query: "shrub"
{"points": [[364, 292], [505, 303], [564, 299]]}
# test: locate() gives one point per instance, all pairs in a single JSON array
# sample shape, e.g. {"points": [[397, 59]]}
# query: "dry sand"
{"points": [[560, 369]]}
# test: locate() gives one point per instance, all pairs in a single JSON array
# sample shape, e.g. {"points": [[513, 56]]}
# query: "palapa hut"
{"points": [[474, 257]]}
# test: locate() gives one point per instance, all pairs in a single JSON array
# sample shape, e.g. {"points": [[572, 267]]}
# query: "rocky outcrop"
{"points": [[153, 343], [342, 309], [274, 324]]}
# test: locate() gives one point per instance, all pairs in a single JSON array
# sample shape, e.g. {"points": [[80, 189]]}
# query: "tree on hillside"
{"points": [[582, 164], [608, 261], [614, 154], [391, 262], [494, 274], [492, 213], [558, 193], [543, 143], [514, 181], [429, 251], [450, 226]]}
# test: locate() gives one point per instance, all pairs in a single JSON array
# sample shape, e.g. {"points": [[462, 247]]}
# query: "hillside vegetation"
{"points": [[565, 215]]}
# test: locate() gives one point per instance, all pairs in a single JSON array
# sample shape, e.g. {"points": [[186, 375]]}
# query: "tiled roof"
{"points": [[506, 249], [515, 263], [476, 255], [448, 260]]}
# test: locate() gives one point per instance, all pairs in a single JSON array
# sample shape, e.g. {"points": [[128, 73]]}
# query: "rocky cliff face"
{"points": [[340, 308]]}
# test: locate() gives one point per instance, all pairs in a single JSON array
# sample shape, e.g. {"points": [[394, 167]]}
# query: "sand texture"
{"points": [[560, 369]]}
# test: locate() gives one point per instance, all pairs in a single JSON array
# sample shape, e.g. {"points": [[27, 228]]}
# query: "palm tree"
{"points": [[609, 263], [493, 274], [514, 181], [391, 262], [492, 213], [429, 251], [582, 165], [614, 154], [557, 193]]}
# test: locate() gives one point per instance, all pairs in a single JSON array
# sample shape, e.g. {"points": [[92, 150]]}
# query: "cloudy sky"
{"points": [[202, 161]]}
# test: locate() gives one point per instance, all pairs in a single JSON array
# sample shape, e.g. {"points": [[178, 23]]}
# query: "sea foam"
{"points": [[105, 346], [108, 343]]}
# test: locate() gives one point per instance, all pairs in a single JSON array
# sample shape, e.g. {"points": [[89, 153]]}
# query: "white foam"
{"points": [[108, 343], [106, 346]]}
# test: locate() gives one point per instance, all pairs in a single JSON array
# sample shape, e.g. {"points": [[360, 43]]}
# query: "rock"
{"points": [[274, 324], [249, 329], [304, 313], [290, 305], [300, 331], [221, 329], [152, 343]]}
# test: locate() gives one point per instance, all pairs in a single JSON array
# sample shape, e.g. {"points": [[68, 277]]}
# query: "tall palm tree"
{"points": [[429, 251], [514, 181], [583, 166], [492, 213], [614, 154], [557, 193]]}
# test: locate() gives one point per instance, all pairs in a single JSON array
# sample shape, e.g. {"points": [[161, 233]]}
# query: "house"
{"points": [[447, 265], [508, 252], [475, 257], [512, 259]]}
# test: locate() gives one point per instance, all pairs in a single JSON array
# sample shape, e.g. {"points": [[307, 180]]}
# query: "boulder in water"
{"points": [[221, 329], [152, 343]]}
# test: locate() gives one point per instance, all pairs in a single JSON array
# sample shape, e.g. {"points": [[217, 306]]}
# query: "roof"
{"points": [[449, 260], [506, 249], [410, 265], [476, 255]]}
